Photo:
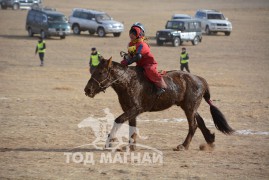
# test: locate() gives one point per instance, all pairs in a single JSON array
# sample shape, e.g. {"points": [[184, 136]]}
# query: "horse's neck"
{"points": [[123, 79]]}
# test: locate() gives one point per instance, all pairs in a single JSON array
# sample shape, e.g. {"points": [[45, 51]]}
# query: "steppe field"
{"points": [[41, 107]]}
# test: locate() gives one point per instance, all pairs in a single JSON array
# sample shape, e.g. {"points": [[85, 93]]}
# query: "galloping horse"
{"points": [[137, 95]]}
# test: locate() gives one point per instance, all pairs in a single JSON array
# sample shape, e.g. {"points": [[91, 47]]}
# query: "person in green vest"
{"points": [[94, 59], [184, 60], [40, 49]]}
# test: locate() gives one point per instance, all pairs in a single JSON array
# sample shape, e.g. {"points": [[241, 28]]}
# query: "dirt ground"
{"points": [[41, 107]]}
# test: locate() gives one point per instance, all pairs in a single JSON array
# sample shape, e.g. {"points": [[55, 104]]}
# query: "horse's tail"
{"points": [[218, 118]]}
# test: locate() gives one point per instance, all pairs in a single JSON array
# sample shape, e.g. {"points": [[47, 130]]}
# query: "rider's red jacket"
{"points": [[142, 48], [147, 61]]}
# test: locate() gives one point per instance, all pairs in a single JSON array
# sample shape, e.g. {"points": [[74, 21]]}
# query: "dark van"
{"points": [[47, 22]]}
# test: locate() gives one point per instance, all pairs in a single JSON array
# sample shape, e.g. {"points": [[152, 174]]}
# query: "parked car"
{"points": [[213, 22], [20, 4], [181, 16], [179, 30], [94, 22], [47, 22]]}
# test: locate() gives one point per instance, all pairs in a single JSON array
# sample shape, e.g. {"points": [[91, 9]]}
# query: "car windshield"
{"points": [[102, 17], [175, 25], [57, 18], [215, 16]]}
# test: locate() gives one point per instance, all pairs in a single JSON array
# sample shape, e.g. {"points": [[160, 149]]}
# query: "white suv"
{"points": [[213, 22], [94, 22], [20, 4]]}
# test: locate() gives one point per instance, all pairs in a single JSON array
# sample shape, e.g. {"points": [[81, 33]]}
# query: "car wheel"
{"points": [[76, 29], [16, 6], [62, 37], [227, 33], [207, 30], [91, 32], [101, 32], [176, 42], [42, 34], [116, 34], [30, 32], [195, 41], [159, 42]]}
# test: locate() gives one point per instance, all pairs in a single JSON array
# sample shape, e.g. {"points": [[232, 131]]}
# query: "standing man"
{"points": [[41, 48], [184, 60], [94, 59]]}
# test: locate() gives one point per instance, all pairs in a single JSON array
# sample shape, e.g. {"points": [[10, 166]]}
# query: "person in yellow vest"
{"points": [[184, 60], [40, 49], [94, 59]]}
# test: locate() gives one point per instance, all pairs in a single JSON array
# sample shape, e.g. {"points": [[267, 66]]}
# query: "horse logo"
{"points": [[101, 128]]}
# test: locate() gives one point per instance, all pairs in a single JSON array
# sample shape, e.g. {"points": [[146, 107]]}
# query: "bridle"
{"points": [[103, 88]]}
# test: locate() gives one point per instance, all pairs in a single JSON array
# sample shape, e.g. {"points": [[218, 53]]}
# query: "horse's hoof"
{"points": [[132, 147], [207, 147], [128, 148], [179, 148], [119, 150]]}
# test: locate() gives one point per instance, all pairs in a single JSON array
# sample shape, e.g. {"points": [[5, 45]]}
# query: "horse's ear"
{"points": [[109, 63]]}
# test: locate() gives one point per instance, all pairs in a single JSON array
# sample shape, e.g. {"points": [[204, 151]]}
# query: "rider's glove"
{"points": [[124, 62]]}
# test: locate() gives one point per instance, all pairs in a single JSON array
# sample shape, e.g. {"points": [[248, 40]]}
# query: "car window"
{"points": [[90, 16], [84, 15], [192, 27], [102, 17], [175, 25], [44, 18], [56, 18], [38, 18], [195, 26], [215, 16], [31, 16], [198, 15], [77, 14]]}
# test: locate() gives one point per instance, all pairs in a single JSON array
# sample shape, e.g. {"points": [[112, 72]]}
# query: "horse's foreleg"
{"points": [[192, 129], [112, 134], [132, 134], [127, 115]]}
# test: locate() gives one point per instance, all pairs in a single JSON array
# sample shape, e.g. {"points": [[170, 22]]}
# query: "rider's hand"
{"points": [[124, 62]]}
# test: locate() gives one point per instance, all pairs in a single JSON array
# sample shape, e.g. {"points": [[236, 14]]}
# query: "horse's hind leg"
{"points": [[209, 137], [192, 129]]}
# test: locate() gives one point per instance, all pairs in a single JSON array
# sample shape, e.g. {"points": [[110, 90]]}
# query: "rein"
{"points": [[107, 78]]}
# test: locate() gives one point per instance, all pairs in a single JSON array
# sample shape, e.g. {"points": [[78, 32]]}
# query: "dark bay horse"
{"points": [[137, 95]]}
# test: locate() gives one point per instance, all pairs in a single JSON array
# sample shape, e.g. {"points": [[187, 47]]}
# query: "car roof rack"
{"points": [[88, 10], [40, 8], [208, 10]]}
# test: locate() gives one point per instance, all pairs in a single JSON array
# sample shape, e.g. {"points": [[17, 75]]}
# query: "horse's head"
{"points": [[100, 79]]}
